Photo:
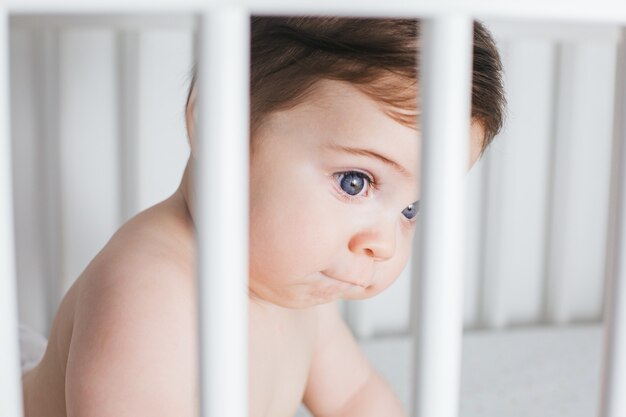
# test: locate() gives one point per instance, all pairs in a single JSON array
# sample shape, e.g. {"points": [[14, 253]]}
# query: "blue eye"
{"points": [[353, 182], [411, 211]]}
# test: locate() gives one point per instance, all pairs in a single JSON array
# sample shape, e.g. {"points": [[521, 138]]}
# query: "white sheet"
{"points": [[32, 347], [530, 372]]}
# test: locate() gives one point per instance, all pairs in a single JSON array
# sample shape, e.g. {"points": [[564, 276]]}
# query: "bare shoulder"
{"points": [[149, 260], [133, 347]]}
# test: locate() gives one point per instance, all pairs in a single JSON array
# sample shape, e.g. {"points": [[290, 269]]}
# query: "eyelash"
{"points": [[372, 183]]}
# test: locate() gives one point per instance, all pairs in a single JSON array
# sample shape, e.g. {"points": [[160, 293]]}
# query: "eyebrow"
{"points": [[367, 152]]}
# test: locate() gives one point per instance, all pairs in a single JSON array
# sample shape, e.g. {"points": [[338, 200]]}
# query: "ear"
{"points": [[190, 120], [477, 138]]}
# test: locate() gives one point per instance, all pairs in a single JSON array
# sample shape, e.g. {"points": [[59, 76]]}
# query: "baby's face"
{"points": [[319, 231]]}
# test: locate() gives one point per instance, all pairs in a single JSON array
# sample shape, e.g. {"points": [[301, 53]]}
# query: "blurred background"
{"points": [[99, 134]]}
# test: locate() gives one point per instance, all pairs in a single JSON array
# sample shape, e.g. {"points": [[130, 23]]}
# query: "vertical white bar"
{"points": [[612, 399], [557, 308], [10, 381], [445, 83], [128, 121], [222, 210], [49, 162]]}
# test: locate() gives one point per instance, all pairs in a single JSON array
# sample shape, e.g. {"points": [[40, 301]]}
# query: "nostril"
{"points": [[375, 247]]}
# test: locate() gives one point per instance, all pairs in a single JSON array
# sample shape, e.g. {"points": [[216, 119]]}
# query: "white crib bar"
{"points": [[128, 124], [222, 210], [445, 83], [612, 399], [609, 11], [10, 385]]}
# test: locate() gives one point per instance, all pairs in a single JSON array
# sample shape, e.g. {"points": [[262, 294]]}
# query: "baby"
{"points": [[334, 184]]}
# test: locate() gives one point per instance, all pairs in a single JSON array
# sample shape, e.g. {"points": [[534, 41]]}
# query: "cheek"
{"points": [[289, 236]]}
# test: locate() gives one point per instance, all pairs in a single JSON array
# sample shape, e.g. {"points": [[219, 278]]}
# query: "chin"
{"points": [[303, 302], [359, 293]]}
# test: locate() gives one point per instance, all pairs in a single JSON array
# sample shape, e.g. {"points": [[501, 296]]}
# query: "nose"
{"points": [[377, 242]]}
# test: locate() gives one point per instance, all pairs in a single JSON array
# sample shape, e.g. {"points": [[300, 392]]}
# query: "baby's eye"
{"points": [[411, 210], [353, 182]]}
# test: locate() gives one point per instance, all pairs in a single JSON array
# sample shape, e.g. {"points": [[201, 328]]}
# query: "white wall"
{"points": [[112, 100]]}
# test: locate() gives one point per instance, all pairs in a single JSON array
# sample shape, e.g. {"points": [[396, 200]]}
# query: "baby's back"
{"points": [[124, 340], [138, 289]]}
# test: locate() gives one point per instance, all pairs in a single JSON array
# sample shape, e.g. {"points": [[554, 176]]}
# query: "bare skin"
{"points": [[124, 339], [280, 339]]}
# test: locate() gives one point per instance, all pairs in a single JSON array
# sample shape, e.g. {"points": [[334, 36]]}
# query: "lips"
{"points": [[345, 281]]}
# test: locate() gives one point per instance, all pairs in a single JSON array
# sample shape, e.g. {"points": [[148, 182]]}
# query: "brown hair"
{"points": [[378, 56]]}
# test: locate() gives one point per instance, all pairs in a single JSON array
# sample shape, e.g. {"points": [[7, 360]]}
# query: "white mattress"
{"points": [[530, 372]]}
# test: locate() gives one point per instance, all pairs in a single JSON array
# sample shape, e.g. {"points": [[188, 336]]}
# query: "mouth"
{"points": [[344, 281]]}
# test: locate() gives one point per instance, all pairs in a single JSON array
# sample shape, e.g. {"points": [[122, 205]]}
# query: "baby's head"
{"points": [[335, 148]]}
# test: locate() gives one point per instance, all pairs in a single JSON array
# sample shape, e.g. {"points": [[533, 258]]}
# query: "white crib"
{"points": [[438, 325]]}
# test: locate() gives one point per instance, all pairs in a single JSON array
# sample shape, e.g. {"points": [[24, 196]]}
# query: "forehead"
{"points": [[337, 114], [346, 109], [325, 94]]}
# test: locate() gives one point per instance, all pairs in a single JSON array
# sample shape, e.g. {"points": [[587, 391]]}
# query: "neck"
{"points": [[187, 190]]}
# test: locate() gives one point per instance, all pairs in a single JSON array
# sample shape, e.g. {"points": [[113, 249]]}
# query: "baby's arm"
{"points": [[342, 382], [133, 347]]}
